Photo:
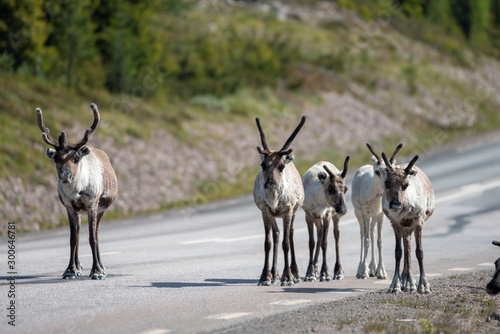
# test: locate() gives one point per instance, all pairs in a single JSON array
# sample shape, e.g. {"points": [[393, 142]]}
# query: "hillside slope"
{"points": [[370, 83]]}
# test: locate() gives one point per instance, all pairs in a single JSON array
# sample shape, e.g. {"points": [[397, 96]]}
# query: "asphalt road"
{"points": [[196, 269]]}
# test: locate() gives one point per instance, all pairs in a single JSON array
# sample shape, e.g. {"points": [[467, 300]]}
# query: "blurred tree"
{"points": [[126, 43], [73, 36], [439, 12], [480, 22], [23, 32]]}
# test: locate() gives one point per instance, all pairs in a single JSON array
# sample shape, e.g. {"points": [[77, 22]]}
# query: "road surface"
{"points": [[196, 269]]}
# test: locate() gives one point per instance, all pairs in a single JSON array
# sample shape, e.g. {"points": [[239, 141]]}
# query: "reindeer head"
{"points": [[67, 156], [274, 162], [379, 163], [335, 189], [396, 182]]}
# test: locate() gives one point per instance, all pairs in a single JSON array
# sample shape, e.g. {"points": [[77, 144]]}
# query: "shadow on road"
{"points": [[295, 289], [210, 282]]}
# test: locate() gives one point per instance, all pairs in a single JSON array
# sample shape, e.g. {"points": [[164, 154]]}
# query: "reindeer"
{"points": [[87, 183], [278, 193], [324, 202], [367, 201], [493, 286], [408, 201]]}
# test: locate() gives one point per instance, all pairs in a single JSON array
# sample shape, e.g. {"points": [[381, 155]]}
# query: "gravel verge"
{"points": [[458, 304]]}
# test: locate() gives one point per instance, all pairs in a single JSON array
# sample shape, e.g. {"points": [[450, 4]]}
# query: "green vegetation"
{"points": [[167, 64]]}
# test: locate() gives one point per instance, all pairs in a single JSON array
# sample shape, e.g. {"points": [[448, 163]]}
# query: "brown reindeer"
{"points": [[408, 201], [278, 193], [87, 183]]}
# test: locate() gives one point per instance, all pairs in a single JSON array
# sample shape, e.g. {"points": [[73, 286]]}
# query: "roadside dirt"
{"points": [[458, 304]]}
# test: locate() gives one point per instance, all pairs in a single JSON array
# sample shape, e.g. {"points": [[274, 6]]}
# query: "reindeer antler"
{"points": [[396, 151], [45, 130], [496, 243], [346, 163], [262, 139], [89, 131], [292, 137], [329, 171], [373, 152], [387, 163], [410, 164]]}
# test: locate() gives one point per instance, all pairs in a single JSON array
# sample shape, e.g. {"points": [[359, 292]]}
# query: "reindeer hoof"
{"points": [[71, 274], [264, 283], [297, 280], [289, 283], [396, 291], [310, 279], [97, 276]]}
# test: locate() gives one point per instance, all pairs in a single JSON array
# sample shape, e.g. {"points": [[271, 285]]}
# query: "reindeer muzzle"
{"points": [[395, 206], [65, 176], [269, 183]]}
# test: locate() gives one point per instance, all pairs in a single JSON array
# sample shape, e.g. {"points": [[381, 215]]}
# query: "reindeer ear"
{"points": [[50, 153], [412, 172], [289, 158], [85, 151], [377, 172], [382, 172], [322, 176]]}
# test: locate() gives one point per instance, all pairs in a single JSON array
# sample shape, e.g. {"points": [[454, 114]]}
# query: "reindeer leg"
{"points": [[407, 279], [79, 266], [294, 266], [96, 272], [396, 281], [380, 273], [423, 285], [287, 277], [74, 267], [311, 270], [373, 224], [99, 217], [319, 238], [276, 240], [338, 272], [325, 272], [362, 267], [266, 277]]}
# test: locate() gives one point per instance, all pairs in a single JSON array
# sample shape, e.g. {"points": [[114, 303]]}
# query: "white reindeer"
{"points": [[278, 193], [324, 202], [87, 183], [408, 201], [367, 201]]}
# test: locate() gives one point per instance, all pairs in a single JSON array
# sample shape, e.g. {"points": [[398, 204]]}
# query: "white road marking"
{"points": [[468, 190], [385, 281], [432, 275], [460, 269], [202, 241], [486, 264], [228, 316], [255, 236], [90, 255], [291, 302], [156, 331]]}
